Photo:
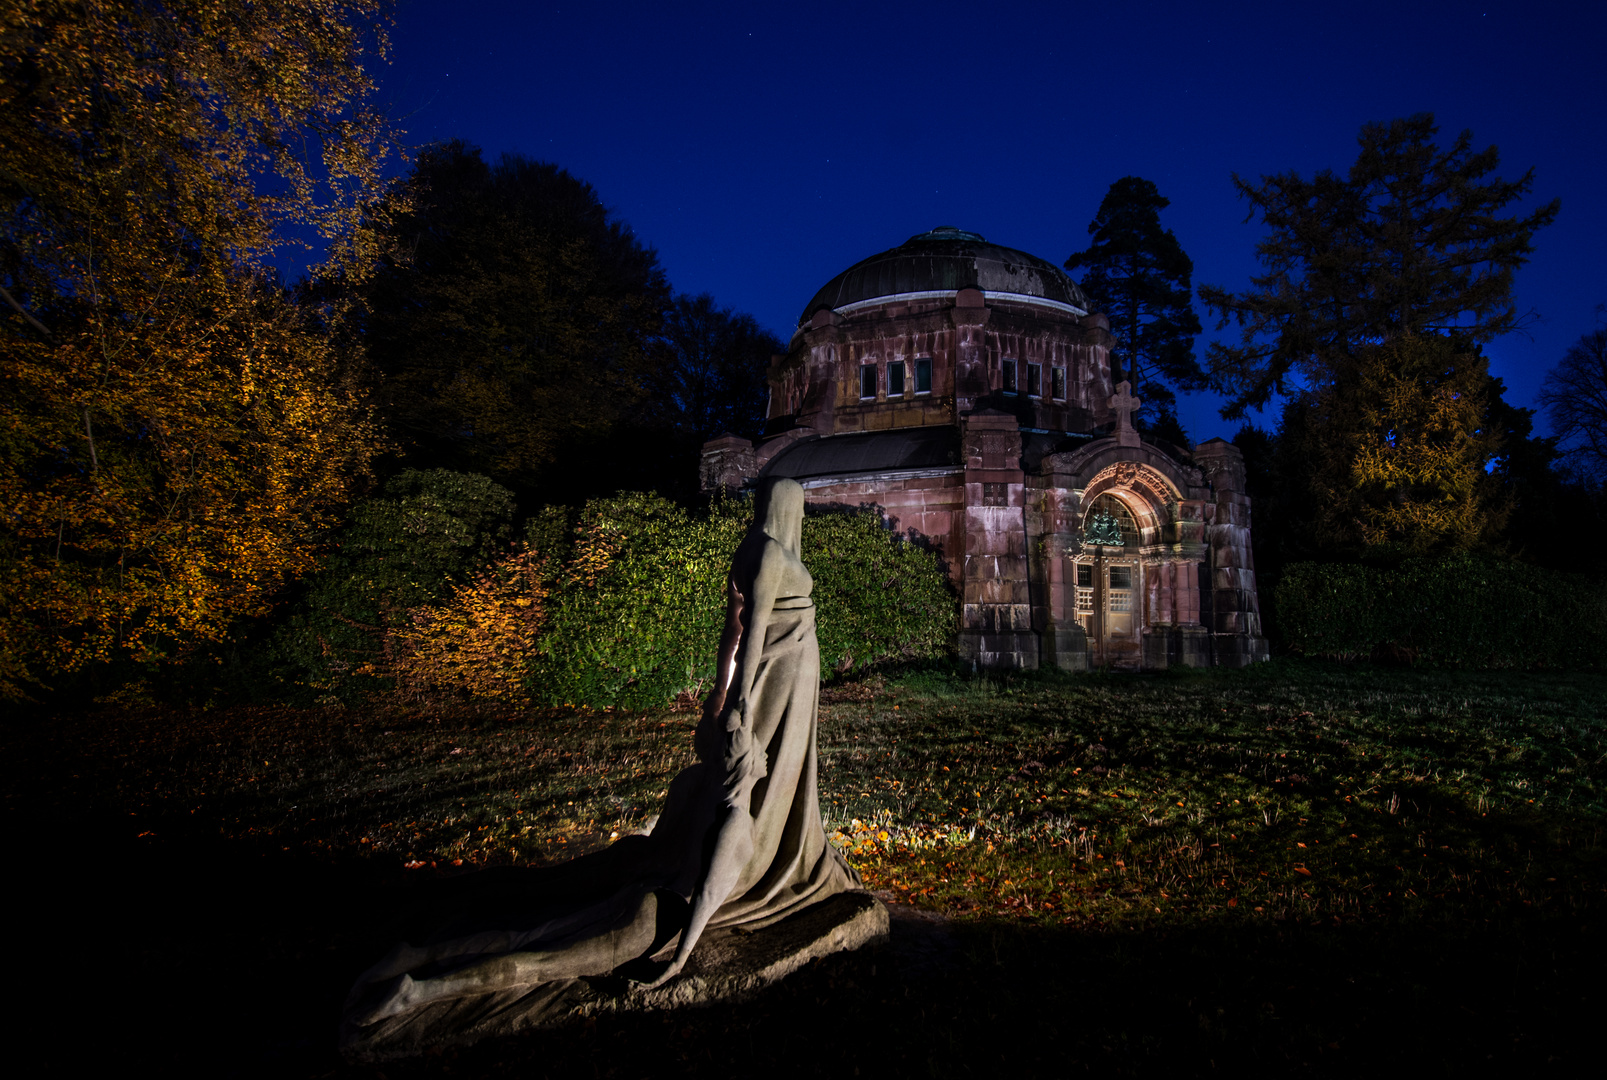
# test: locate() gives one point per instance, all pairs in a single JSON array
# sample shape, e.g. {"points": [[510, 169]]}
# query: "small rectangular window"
{"points": [[895, 379], [1085, 576], [867, 381], [1009, 376], [923, 375], [995, 494], [1121, 577], [1057, 378], [1034, 380]]}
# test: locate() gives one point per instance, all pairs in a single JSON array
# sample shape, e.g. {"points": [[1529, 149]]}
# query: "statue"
{"points": [[739, 842]]}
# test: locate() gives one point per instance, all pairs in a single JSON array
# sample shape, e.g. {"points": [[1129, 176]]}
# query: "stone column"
{"points": [[1235, 608], [996, 598]]}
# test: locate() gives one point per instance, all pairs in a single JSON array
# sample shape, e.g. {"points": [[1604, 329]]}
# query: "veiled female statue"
{"points": [[739, 841]]}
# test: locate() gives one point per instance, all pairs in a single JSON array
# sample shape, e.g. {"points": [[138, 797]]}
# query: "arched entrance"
{"points": [[1110, 583]]}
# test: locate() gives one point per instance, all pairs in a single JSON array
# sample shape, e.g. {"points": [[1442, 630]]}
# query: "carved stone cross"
{"points": [[1125, 405]]}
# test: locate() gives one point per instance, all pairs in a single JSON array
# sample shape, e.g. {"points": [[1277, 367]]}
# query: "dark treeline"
{"points": [[519, 330]]}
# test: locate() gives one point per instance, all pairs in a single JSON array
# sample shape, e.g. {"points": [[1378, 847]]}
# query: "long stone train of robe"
{"points": [[618, 906]]}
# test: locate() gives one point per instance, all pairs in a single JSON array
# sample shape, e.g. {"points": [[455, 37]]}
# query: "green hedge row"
{"points": [[1455, 610], [637, 610]]}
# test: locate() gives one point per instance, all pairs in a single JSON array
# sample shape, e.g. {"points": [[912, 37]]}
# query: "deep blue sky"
{"points": [[761, 148]]}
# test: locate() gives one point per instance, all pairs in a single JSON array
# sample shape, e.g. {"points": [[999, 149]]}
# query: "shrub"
{"points": [[878, 596], [481, 639], [1454, 610], [636, 617], [426, 533]]}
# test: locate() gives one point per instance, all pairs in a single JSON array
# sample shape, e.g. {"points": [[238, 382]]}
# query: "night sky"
{"points": [[762, 148]]}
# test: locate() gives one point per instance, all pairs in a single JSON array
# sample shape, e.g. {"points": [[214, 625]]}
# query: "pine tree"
{"points": [[1139, 274], [1400, 451], [1409, 242]]}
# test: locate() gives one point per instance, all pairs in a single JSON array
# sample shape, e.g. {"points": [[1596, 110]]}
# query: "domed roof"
{"points": [[946, 260]]}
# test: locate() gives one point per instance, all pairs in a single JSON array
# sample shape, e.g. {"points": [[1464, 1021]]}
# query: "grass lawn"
{"points": [[1299, 866]]}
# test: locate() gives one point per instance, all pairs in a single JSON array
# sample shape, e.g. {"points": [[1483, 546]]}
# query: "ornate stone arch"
{"points": [[1147, 495]]}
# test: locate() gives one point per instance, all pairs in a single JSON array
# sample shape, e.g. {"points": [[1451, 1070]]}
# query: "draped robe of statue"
{"points": [[739, 841]]}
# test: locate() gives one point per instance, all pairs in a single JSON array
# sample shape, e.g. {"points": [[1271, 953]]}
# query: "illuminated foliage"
{"points": [[480, 641], [637, 617], [1399, 446], [173, 433]]}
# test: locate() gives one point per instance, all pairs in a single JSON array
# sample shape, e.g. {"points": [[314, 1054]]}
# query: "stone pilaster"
{"points": [[996, 600], [1235, 607], [971, 380], [1053, 521]]}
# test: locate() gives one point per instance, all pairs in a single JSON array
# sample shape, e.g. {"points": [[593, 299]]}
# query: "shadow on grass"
{"points": [[198, 956]]}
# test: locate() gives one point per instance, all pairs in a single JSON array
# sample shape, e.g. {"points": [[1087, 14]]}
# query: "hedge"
{"points": [[636, 615], [1455, 610]]}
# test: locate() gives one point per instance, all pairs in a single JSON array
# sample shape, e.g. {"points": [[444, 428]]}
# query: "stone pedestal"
{"points": [[1066, 647], [728, 463]]}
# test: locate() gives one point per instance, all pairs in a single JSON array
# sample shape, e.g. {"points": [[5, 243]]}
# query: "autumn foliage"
{"points": [[1399, 446], [174, 432], [480, 641]]}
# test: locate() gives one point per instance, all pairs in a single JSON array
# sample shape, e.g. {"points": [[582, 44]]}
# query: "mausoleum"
{"points": [[965, 390]]}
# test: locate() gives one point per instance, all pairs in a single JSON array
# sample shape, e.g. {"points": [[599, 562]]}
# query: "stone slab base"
{"points": [[1066, 648], [728, 964], [1177, 646], [1240, 650], [1010, 649]]}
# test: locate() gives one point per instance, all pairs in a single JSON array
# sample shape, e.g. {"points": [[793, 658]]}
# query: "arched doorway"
{"points": [[1110, 586]]}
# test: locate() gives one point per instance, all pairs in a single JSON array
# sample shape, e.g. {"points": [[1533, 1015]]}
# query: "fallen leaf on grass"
{"points": [[1302, 870]]}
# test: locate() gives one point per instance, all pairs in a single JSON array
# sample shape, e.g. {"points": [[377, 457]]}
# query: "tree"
{"points": [[512, 318], [1140, 275], [1574, 397], [176, 432], [1398, 449], [711, 375], [1409, 242]]}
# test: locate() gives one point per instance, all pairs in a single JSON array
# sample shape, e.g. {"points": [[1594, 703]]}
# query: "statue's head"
{"points": [[779, 511]]}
